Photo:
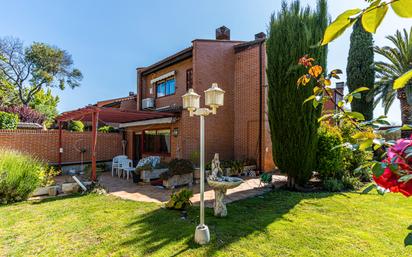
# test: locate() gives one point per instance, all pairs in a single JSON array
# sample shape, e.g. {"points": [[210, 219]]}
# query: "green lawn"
{"points": [[278, 223]]}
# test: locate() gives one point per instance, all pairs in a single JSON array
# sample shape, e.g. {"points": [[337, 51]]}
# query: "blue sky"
{"points": [[108, 39]]}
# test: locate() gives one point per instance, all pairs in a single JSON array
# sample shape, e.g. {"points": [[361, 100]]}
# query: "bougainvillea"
{"points": [[395, 171]]}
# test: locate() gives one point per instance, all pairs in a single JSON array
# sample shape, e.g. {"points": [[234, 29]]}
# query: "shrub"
{"points": [[351, 183], [76, 125], [20, 175], [293, 126], [354, 159], [333, 185], [236, 168], [107, 129], [8, 120], [195, 158], [48, 176], [180, 200], [330, 158], [25, 114], [178, 167]]}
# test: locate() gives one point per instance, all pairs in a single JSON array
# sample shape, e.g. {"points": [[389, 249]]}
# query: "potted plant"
{"points": [[145, 172], [180, 200], [226, 167], [180, 173], [249, 165], [236, 168]]}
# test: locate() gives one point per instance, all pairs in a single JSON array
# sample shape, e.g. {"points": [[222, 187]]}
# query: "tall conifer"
{"points": [[293, 32]]}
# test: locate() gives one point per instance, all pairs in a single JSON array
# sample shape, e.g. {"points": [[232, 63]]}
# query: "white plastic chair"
{"points": [[115, 163], [125, 168]]}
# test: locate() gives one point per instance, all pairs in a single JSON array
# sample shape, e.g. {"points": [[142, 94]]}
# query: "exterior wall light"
{"points": [[214, 97], [191, 101], [175, 132]]}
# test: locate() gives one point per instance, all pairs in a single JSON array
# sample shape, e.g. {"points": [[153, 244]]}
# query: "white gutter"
{"points": [[162, 77], [168, 120]]}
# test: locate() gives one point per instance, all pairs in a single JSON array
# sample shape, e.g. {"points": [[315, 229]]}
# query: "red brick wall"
{"points": [[180, 76], [247, 108], [129, 105], [213, 61], [44, 144]]}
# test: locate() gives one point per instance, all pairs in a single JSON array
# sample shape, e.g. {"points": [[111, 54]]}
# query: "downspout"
{"points": [[139, 89], [260, 103]]}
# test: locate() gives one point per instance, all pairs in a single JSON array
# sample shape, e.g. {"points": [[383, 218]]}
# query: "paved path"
{"points": [[147, 193]]}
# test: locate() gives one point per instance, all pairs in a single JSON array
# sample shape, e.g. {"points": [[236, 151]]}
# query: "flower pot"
{"points": [[52, 190], [196, 174], [147, 175], [69, 188], [40, 191]]}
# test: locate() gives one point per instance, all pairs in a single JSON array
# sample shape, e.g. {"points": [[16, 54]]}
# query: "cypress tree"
{"points": [[294, 32], [359, 70]]}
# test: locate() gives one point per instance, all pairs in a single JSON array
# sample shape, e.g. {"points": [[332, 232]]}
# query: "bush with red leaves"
{"points": [[25, 113]]}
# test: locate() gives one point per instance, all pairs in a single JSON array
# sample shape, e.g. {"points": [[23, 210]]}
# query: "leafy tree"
{"points": [[8, 95], [292, 33], [76, 126], [371, 18], [398, 61], [359, 70], [36, 67], [45, 103]]}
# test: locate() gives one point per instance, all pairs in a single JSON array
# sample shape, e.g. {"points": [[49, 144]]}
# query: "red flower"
{"points": [[390, 178]]}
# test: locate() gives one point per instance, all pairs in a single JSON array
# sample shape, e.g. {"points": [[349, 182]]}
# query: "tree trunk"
{"points": [[406, 112]]}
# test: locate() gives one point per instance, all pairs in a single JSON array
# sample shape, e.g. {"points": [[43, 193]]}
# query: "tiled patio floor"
{"points": [[147, 193]]}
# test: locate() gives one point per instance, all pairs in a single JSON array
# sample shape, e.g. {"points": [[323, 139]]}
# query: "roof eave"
{"points": [[168, 61]]}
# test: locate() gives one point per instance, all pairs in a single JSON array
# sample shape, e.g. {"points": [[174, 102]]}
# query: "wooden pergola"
{"points": [[93, 114]]}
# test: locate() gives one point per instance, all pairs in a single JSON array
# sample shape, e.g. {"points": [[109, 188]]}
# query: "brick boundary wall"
{"points": [[45, 144]]}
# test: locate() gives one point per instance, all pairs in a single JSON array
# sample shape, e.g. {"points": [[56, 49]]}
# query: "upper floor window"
{"points": [[166, 87], [189, 78]]}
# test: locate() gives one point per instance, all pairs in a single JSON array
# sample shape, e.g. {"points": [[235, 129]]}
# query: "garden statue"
{"points": [[216, 170], [220, 185]]}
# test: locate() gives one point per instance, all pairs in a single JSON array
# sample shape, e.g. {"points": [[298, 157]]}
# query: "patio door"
{"points": [[137, 145]]}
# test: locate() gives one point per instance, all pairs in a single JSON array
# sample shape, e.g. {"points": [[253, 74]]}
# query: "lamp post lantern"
{"points": [[214, 97]]}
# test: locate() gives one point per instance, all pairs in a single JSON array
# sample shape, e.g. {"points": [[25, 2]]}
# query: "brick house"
{"points": [[124, 103], [240, 130]]}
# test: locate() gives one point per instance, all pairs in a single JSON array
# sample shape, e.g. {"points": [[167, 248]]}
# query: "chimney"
{"points": [[339, 90], [223, 33], [340, 85], [260, 35]]}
